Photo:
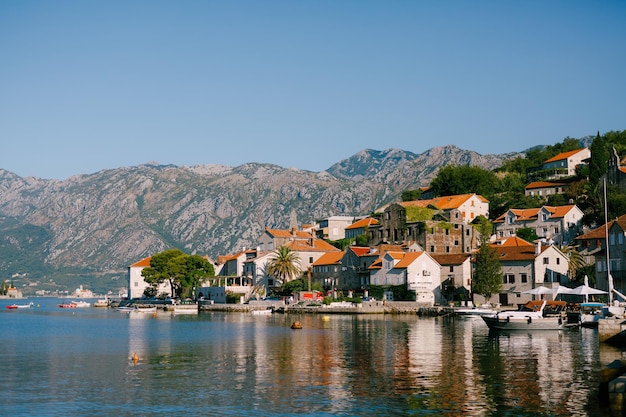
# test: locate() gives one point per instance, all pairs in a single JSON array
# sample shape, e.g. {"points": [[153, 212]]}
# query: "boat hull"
{"points": [[525, 323]]}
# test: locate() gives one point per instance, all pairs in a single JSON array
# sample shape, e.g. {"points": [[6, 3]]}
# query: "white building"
{"points": [[136, 283]]}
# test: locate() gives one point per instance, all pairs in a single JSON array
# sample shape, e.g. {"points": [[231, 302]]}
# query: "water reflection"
{"points": [[240, 364]]}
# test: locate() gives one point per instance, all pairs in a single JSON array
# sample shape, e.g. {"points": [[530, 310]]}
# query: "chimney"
{"points": [[538, 247]]}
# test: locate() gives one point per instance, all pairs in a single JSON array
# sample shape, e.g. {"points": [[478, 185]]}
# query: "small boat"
{"points": [[81, 304], [103, 302], [16, 306], [534, 315], [265, 312], [67, 305], [475, 311], [143, 310]]}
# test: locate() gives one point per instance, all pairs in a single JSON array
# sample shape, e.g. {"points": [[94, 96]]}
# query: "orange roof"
{"points": [[143, 263], [563, 155], [288, 233], [543, 184], [359, 250], [368, 221], [514, 241], [517, 253], [444, 203], [311, 245], [329, 258], [450, 258], [532, 213], [599, 232], [408, 259]]}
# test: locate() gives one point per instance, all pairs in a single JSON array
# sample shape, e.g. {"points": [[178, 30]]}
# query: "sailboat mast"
{"points": [[606, 236]]}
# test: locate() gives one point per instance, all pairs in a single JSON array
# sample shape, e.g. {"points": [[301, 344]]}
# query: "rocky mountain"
{"points": [[89, 228]]}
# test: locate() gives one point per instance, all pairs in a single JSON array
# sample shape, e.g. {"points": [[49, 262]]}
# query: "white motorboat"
{"points": [[534, 315], [81, 304], [475, 311]]}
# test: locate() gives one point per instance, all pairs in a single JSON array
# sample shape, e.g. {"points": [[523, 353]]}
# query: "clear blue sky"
{"points": [[92, 85]]}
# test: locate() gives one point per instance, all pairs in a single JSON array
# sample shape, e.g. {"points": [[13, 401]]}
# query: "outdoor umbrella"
{"points": [[538, 291], [587, 291]]}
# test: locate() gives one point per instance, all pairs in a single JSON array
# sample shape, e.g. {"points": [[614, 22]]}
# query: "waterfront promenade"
{"points": [[368, 307]]}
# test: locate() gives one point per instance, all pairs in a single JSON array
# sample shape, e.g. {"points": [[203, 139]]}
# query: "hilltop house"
{"points": [[562, 165], [559, 224], [545, 188], [526, 266], [418, 271]]}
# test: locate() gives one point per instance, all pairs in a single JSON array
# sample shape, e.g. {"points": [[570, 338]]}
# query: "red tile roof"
{"points": [[408, 259], [563, 155], [143, 263], [443, 203], [329, 258], [368, 221]]}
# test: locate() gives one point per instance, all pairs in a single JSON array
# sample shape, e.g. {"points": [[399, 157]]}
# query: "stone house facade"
{"points": [[560, 224]]}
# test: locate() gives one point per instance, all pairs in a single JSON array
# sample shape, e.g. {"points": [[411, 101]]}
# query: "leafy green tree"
{"points": [[453, 180], [299, 284], [183, 272], [284, 266], [166, 266], [527, 233], [198, 268], [487, 278], [411, 195], [362, 239], [599, 157], [556, 200]]}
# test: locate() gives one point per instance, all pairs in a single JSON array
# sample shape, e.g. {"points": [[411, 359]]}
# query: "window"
{"points": [[447, 249], [546, 261], [558, 261], [524, 278], [310, 259], [556, 230], [456, 243], [432, 248]]}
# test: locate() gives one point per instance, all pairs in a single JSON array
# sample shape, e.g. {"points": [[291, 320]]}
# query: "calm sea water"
{"points": [[79, 362]]}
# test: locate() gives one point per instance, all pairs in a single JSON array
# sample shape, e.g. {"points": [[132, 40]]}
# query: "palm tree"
{"points": [[285, 265]]}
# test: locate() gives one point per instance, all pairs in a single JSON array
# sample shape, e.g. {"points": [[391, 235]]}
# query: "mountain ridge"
{"points": [[95, 225]]}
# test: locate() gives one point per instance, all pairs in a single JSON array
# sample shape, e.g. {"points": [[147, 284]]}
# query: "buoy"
{"points": [[154, 314], [296, 325], [135, 358], [325, 318]]}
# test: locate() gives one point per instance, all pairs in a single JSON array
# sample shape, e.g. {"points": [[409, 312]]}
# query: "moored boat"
{"points": [[67, 305], [16, 306], [81, 304], [475, 311], [534, 315], [103, 302]]}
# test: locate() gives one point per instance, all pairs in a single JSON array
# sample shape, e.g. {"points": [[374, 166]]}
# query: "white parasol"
{"points": [[538, 291]]}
